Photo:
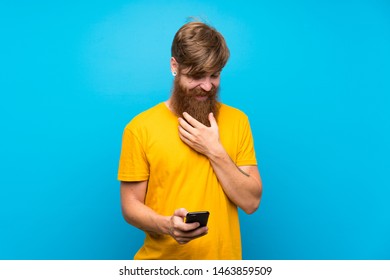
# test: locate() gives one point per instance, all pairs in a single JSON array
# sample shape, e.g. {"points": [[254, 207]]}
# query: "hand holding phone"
{"points": [[182, 227]]}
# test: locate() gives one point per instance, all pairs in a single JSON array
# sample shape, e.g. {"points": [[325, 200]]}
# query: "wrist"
{"points": [[163, 224], [217, 153]]}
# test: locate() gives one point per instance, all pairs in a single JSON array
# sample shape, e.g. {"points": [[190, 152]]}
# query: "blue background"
{"points": [[313, 77]]}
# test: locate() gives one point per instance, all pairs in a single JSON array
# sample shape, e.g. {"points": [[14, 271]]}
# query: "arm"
{"points": [[241, 184], [143, 217]]}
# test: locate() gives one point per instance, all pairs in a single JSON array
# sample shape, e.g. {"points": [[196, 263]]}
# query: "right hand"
{"points": [[182, 232]]}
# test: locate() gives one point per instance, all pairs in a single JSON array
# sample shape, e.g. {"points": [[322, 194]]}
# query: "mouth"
{"points": [[201, 97]]}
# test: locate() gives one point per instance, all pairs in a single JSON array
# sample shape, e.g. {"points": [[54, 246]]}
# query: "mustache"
{"points": [[198, 91]]}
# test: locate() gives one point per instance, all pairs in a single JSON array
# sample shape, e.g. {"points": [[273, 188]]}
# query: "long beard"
{"points": [[183, 100]]}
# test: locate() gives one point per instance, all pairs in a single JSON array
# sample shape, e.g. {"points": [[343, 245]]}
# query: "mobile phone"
{"points": [[201, 217]]}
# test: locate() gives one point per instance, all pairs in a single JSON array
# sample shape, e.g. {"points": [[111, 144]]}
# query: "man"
{"points": [[190, 153]]}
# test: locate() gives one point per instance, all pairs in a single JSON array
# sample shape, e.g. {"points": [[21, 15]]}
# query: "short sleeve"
{"points": [[246, 153], [133, 163]]}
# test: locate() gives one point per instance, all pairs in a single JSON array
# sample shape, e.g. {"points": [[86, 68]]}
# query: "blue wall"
{"points": [[313, 76]]}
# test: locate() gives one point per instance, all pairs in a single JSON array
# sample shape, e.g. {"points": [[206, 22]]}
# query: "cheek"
{"points": [[186, 85], [191, 86], [216, 82]]}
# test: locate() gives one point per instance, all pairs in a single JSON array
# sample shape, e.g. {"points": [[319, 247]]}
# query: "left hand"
{"points": [[199, 137]]}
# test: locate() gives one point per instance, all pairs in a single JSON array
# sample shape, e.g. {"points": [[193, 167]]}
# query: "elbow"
{"points": [[126, 216], [252, 206]]}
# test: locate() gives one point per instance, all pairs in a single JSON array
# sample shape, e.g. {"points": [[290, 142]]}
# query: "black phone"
{"points": [[201, 217]]}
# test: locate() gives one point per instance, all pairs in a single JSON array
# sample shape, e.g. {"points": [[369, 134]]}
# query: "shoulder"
{"points": [[152, 112], [147, 116], [230, 113]]}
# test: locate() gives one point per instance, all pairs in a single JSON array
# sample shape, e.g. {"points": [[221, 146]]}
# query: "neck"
{"points": [[168, 103]]}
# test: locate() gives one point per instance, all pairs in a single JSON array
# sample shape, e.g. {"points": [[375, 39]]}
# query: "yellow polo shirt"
{"points": [[179, 177]]}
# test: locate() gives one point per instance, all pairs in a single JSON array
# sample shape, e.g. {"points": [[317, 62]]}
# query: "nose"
{"points": [[206, 84]]}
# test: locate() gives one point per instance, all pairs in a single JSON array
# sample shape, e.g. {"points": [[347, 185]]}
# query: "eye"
{"points": [[215, 75], [195, 77]]}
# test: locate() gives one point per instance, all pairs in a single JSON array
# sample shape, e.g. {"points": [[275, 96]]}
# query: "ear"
{"points": [[174, 65]]}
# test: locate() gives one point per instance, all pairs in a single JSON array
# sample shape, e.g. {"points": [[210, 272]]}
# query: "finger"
{"points": [[192, 121], [198, 232], [185, 240], [182, 231], [185, 237], [188, 228], [193, 232], [185, 135], [180, 225], [178, 232], [185, 125], [181, 212]]}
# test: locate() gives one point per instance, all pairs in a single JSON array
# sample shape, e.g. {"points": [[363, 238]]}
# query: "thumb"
{"points": [[181, 212]]}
